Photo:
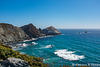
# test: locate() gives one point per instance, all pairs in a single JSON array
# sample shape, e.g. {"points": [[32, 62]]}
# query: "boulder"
{"points": [[13, 62], [51, 31]]}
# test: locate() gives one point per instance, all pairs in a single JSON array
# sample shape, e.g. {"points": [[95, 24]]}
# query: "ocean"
{"points": [[74, 46]]}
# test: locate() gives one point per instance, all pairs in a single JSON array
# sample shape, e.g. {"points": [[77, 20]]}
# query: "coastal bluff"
{"points": [[10, 33]]}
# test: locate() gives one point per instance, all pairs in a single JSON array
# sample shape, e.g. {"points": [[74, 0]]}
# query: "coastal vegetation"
{"points": [[6, 52]]}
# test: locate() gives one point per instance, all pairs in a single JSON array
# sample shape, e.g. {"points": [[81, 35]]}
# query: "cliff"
{"points": [[51, 31], [10, 33], [31, 31]]}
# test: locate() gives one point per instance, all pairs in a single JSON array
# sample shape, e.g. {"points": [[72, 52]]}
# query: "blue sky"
{"points": [[67, 14]]}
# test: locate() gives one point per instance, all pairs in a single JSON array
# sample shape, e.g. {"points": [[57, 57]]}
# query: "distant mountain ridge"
{"points": [[11, 34]]}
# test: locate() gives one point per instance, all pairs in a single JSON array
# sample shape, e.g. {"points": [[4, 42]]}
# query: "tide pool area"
{"points": [[74, 46]]}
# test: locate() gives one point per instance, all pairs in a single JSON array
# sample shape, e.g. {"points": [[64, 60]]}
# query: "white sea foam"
{"points": [[46, 36], [22, 52], [49, 46], [43, 47], [34, 43], [68, 55], [34, 38], [26, 40], [30, 40], [24, 45]]}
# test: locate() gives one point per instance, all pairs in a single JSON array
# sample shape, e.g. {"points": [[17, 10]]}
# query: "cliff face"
{"points": [[10, 33], [31, 31], [51, 31]]}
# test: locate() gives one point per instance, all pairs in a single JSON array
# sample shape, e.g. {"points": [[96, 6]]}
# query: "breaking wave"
{"points": [[49, 46], [68, 55], [34, 43]]}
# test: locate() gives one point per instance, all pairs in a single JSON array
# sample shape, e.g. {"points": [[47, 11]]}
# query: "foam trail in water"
{"points": [[68, 55], [34, 43], [22, 52], [49, 46], [30, 40], [26, 40], [24, 45], [34, 38], [46, 36]]}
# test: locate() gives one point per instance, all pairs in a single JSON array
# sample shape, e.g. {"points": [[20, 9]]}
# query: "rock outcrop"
{"points": [[51, 31], [41, 32], [10, 33], [13, 62], [31, 31]]}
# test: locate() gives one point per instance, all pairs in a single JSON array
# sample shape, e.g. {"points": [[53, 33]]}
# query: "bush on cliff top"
{"points": [[6, 51]]}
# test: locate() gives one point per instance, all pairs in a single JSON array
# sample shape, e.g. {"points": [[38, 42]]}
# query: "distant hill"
{"points": [[51, 31]]}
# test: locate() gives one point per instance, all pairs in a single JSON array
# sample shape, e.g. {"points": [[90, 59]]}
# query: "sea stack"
{"points": [[31, 31], [51, 31]]}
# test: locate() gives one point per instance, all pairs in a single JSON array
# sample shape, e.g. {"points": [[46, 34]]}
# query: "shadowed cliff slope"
{"points": [[31, 31]]}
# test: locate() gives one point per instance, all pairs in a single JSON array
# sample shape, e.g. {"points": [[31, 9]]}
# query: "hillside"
{"points": [[10, 33]]}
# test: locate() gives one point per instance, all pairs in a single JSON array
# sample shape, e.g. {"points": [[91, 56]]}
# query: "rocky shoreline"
{"points": [[10, 34]]}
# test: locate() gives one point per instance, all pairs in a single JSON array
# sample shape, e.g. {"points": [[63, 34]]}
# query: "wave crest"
{"points": [[68, 55], [49, 46]]}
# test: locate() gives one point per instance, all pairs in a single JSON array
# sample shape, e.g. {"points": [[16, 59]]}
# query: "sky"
{"points": [[62, 14]]}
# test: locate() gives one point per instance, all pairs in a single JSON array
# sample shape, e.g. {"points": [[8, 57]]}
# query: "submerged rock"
{"points": [[51, 31], [31, 31], [10, 33], [14, 62]]}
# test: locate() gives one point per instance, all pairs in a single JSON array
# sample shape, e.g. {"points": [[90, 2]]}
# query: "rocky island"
{"points": [[10, 34]]}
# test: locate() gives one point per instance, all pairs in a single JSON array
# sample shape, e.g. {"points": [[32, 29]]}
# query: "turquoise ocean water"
{"points": [[72, 47]]}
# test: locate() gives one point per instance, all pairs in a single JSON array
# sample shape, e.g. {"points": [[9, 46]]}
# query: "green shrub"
{"points": [[6, 51]]}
